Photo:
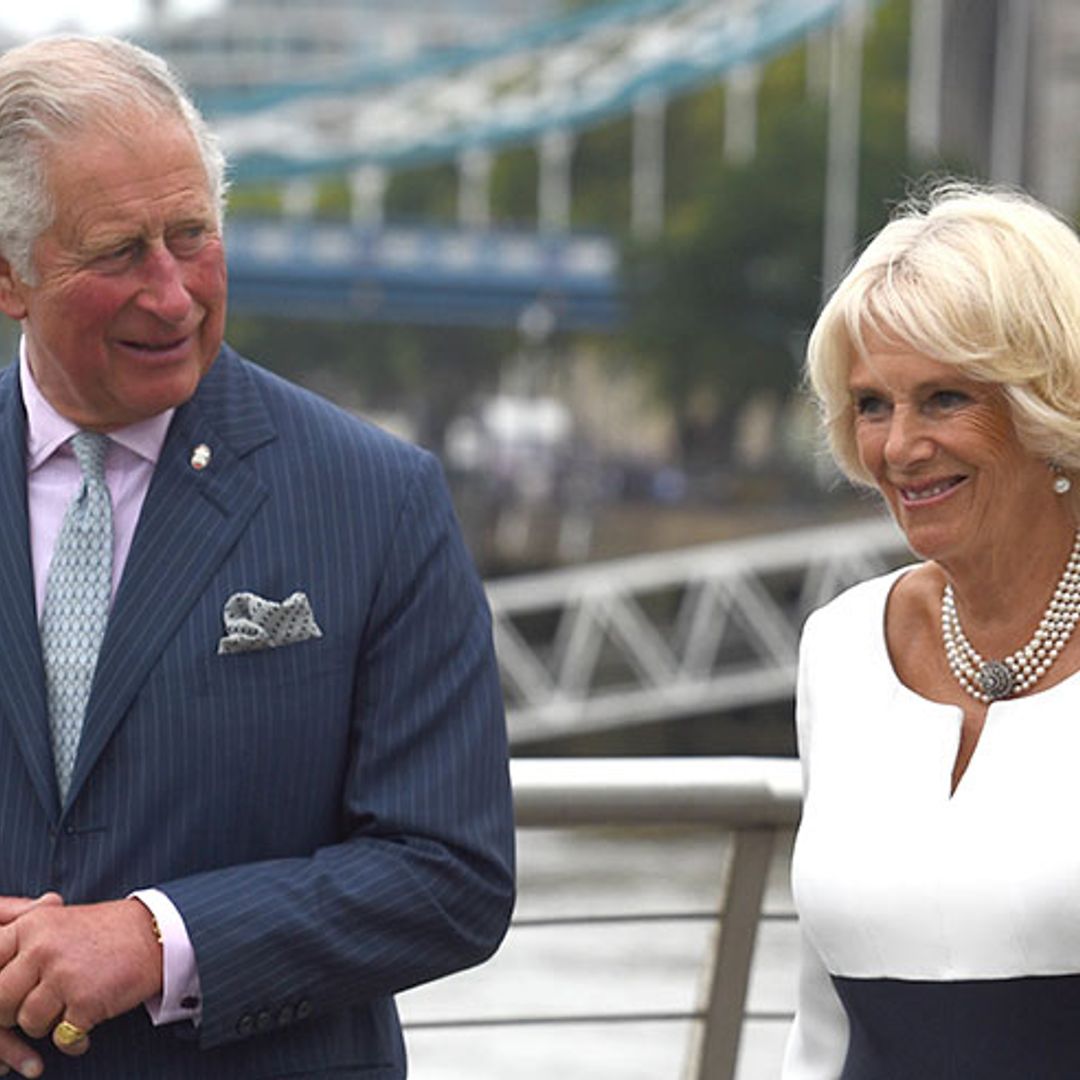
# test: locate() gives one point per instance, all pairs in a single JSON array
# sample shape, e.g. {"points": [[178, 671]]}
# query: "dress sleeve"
{"points": [[817, 1044], [818, 1041]]}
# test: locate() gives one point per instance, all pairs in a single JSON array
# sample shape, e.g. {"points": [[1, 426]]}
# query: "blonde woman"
{"points": [[937, 868]]}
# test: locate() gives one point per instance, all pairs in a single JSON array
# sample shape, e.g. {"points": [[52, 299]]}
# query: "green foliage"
{"points": [[694, 130], [429, 374], [255, 200], [721, 304], [601, 177], [428, 193], [333, 199], [718, 302], [514, 185]]}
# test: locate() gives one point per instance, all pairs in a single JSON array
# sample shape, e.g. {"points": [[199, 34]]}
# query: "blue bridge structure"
{"points": [[422, 274], [544, 84]]}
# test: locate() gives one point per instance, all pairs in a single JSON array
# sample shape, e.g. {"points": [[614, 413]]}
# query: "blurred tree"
{"points": [[720, 305], [428, 193], [602, 167], [514, 184], [333, 199], [717, 302], [426, 374], [255, 199], [694, 131]]}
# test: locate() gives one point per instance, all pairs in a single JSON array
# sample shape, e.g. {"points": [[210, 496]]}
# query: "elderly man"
{"points": [[252, 753]]}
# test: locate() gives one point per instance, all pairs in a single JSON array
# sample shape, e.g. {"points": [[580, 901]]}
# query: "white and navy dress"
{"points": [[941, 931]]}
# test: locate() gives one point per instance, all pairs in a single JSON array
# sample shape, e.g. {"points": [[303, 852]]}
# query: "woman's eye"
{"points": [[948, 399], [869, 405]]}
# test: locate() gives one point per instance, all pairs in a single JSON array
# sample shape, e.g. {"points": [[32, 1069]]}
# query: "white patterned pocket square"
{"points": [[253, 623]]}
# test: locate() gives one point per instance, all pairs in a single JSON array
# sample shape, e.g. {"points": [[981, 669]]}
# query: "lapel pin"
{"points": [[200, 457]]}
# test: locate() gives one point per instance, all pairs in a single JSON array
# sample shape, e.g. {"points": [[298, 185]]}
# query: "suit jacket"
{"points": [[332, 818]]}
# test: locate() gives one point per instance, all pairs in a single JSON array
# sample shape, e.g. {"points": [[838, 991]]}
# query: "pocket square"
{"points": [[253, 623]]}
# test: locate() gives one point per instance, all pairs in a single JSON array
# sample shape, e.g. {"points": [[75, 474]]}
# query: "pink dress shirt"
{"points": [[53, 477]]}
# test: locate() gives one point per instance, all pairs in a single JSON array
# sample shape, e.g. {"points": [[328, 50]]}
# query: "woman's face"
{"points": [[942, 450]]}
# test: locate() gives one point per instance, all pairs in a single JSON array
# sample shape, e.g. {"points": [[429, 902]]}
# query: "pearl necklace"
{"points": [[991, 680]]}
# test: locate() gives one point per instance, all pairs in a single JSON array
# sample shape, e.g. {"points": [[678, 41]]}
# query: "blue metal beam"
{"points": [[422, 275]]}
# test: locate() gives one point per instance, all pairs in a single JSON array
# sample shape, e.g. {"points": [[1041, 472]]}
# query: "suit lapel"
{"points": [[190, 521], [22, 678]]}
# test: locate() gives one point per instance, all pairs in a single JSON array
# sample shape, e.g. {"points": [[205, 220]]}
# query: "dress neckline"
{"points": [[888, 582]]}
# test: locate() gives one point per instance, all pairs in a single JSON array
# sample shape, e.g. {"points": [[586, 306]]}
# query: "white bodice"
{"points": [[895, 877]]}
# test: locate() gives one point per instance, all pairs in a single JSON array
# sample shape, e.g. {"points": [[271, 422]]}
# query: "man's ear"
{"points": [[12, 292]]}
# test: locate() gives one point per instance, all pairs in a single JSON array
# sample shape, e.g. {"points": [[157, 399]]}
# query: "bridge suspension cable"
{"points": [[562, 75]]}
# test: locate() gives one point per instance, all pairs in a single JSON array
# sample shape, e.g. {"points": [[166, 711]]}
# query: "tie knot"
{"points": [[90, 449]]}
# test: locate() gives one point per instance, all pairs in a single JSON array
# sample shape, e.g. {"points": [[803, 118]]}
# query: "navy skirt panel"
{"points": [[1007, 1029]]}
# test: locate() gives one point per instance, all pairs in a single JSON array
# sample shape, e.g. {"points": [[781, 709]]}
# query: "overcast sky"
{"points": [[96, 16]]}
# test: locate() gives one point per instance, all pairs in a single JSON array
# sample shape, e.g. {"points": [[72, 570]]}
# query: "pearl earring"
{"points": [[1062, 484]]}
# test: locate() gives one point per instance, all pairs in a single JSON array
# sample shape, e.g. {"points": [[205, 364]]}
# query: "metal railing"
{"points": [[753, 799]]}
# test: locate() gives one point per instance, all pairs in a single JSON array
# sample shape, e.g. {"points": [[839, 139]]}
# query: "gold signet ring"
{"points": [[67, 1034]]}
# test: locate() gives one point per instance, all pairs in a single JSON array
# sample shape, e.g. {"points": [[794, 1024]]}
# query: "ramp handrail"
{"points": [[754, 798]]}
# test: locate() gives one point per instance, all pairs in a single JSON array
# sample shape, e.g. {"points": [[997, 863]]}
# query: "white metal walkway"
{"points": [[675, 634]]}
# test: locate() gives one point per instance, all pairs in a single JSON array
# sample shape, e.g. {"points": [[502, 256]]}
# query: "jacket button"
{"points": [[245, 1025], [286, 1016], [303, 1009], [264, 1021]]}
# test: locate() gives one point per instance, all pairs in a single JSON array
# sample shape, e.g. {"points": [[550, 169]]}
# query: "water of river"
{"points": [[547, 968]]}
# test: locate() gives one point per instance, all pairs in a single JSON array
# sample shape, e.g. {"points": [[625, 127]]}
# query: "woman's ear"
{"points": [[12, 292]]}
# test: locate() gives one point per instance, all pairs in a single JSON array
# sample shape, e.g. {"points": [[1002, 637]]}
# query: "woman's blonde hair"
{"points": [[985, 279]]}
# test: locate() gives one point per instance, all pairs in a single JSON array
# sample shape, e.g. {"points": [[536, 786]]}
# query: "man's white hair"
{"points": [[57, 88]]}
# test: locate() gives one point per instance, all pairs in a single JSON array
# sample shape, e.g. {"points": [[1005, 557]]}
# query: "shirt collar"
{"points": [[47, 430]]}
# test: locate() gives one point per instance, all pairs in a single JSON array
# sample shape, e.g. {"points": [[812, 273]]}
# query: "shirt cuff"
{"points": [[181, 993]]}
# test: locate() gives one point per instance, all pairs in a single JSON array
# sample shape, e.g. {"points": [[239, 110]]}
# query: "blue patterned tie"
{"points": [[77, 596]]}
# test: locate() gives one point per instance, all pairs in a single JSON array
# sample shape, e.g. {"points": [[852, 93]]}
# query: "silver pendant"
{"points": [[996, 680]]}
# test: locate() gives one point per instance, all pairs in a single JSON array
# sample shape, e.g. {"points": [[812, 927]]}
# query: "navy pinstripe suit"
{"points": [[331, 818]]}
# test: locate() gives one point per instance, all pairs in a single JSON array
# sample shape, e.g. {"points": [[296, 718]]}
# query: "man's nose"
{"points": [[164, 291]]}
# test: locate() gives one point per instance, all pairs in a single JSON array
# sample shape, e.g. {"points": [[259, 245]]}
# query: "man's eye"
{"points": [[117, 257], [187, 241]]}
